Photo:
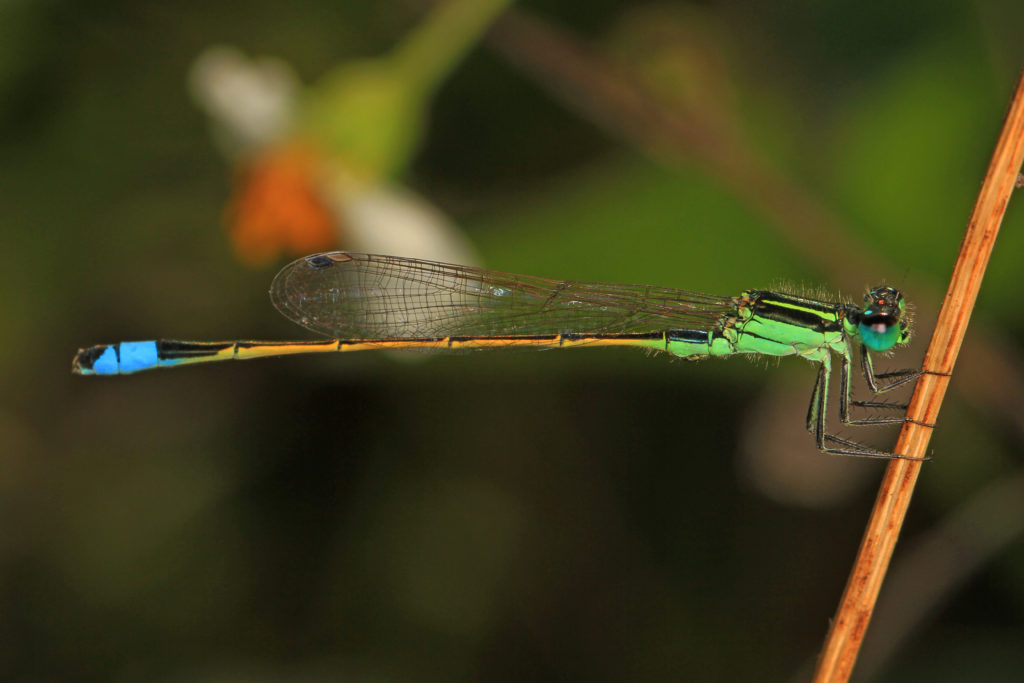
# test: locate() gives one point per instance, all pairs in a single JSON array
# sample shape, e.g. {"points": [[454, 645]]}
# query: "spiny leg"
{"points": [[902, 378], [817, 412], [899, 377], [847, 389]]}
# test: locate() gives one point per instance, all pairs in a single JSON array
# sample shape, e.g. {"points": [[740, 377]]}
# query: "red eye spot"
{"points": [[881, 302]]}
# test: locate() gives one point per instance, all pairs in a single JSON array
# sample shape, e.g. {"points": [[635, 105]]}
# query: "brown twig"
{"points": [[611, 96], [858, 601]]}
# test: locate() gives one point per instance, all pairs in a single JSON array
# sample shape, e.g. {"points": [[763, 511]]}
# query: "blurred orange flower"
{"points": [[277, 207], [317, 164]]}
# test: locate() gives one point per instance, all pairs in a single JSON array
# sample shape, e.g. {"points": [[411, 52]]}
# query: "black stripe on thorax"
{"points": [[791, 310]]}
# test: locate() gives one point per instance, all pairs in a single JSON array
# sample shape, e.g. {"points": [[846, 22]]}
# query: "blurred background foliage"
{"points": [[592, 515]]}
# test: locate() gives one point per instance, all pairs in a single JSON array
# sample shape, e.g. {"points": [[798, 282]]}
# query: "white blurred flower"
{"points": [[293, 196], [251, 102]]}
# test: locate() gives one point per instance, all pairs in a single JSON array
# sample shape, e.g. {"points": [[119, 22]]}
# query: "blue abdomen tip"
{"points": [[106, 362], [137, 356]]}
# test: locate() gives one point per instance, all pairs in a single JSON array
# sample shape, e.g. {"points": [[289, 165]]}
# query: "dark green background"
{"points": [[554, 516]]}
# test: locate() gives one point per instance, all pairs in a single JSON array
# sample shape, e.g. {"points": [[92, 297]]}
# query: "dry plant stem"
{"points": [[858, 601], [611, 97]]}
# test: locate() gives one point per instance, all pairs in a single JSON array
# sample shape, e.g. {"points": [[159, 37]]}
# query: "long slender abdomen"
{"points": [[129, 357]]}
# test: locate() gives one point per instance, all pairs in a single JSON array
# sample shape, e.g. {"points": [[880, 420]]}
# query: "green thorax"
{"points": [[775, 324]]}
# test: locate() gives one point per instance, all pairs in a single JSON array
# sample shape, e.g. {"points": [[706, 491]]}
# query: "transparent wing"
{"points": [[366, 296]]}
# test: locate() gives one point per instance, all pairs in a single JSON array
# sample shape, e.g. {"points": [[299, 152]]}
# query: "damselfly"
{"points": [[365, 301]]}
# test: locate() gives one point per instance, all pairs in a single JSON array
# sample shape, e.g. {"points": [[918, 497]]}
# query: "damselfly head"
{"points": [[884, 322]]}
